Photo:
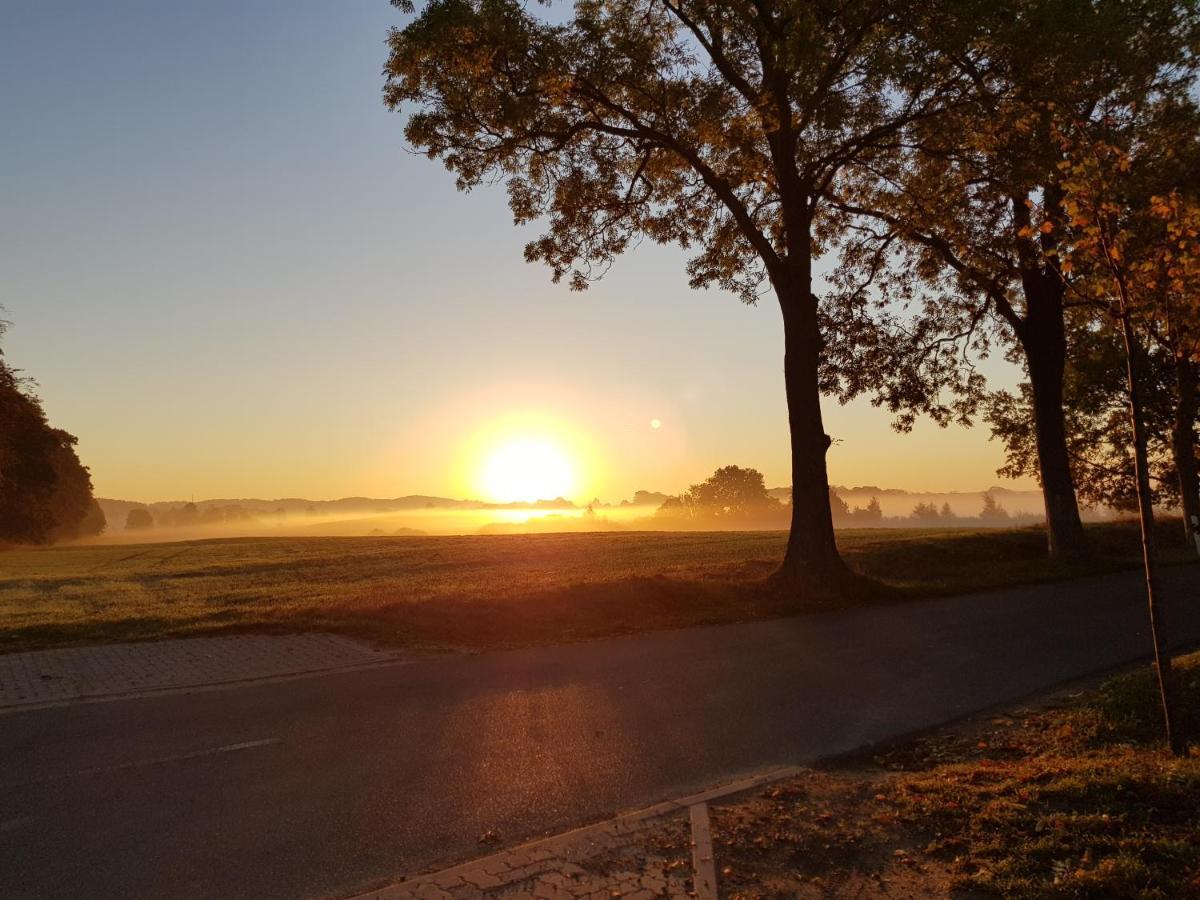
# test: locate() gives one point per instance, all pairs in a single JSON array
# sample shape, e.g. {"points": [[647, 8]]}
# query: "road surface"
{"points": [[325, 785]]}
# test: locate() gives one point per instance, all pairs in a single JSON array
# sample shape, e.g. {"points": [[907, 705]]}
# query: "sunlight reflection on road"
{"points": [[536, 739]]}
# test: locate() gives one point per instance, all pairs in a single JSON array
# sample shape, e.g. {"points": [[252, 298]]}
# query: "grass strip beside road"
{"points": [[483, 592]]}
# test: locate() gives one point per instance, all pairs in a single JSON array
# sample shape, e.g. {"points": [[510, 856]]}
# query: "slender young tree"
{"points": [[975, 198], [1132, 255], [723, 128]]}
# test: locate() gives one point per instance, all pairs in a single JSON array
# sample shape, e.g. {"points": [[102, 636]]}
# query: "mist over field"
{"points": [[429, 515]]}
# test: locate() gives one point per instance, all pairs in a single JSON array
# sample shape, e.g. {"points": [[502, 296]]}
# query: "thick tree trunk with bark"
{"points": [[1172, 721], [1042, 334], [812, 559], [1183, 446]]}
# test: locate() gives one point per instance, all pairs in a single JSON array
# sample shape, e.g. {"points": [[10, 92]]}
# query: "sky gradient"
{"points": [[230, 278]]}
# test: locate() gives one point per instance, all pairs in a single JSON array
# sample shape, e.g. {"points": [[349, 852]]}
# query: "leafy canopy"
{"points": [[45, 492], [956, 229], [717, 127]]}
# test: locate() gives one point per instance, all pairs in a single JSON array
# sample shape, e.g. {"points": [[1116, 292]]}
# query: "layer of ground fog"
{"points": [[1074, 797], [491, 591]]}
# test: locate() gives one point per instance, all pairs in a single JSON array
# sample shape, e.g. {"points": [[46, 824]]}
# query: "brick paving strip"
{"points": [[42, 678], [610, 859]]}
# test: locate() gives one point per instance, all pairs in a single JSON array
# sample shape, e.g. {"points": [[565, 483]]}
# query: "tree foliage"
{"points": [[1096, 411], [138, 519], [45, 492], [730, 494], [925, 512], [1134, 252], [956, 226], [992, 511], [718, 127]]}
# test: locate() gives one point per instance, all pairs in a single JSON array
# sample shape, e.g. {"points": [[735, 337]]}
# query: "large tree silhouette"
{"points": [[723, 128]]}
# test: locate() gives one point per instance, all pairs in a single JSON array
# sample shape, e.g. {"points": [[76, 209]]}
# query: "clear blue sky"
{"points": [[231, 278]]}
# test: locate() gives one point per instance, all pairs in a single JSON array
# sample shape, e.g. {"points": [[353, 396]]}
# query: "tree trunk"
{"points": [[1172, 722], [1043, 338], [1183, 445], [812, 559]]}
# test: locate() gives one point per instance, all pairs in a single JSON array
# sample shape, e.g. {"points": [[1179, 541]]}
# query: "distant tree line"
{"points": [[871, 514], [736, 497], [188, 515], [45, 492]]}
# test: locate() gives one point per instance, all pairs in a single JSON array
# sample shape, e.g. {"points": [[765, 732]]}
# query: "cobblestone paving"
{"points": [[75, 673]]}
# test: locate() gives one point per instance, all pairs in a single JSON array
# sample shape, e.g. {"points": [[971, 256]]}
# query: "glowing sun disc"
{"points": [[527, 469]]}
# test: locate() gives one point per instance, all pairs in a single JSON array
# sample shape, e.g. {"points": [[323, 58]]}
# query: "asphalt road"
{"points": [[330, 784]]}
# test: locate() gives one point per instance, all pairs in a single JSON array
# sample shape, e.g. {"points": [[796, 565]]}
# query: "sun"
{"points": [[526, 469]]}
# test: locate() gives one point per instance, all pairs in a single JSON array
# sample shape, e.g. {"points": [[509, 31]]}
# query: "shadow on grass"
{"points": [[599, 609]]}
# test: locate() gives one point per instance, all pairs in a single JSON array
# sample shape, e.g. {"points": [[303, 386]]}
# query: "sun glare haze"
{"points": [[525, 469]]}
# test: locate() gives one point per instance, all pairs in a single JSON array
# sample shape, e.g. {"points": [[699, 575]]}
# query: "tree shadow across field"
{"points": [[919, 566], [590, 610], [926, 563], [571, 612]]}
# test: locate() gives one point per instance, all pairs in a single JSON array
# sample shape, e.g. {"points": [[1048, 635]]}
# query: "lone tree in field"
{"points": [[731, 492], [723, 128], [139, 519], [992, 511]]}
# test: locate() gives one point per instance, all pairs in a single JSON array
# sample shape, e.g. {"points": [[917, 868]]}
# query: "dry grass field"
{"points": [[443, 593]]}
